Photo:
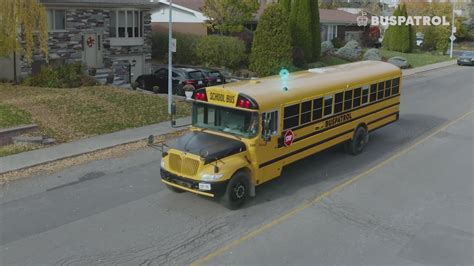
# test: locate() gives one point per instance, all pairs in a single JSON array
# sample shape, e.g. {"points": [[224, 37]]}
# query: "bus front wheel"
{"points": [[236, 192], [357, 144]]}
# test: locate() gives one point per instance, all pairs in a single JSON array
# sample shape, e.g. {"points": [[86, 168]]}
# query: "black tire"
{"points": [[175, 189], [142, 84], [358, 142], [237, 192]]}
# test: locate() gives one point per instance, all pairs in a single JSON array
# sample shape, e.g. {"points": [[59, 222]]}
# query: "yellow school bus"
{"points": [[243, 134]]}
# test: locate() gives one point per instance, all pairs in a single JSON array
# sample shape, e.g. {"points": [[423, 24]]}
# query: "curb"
{"points": [[406, 72], [34, 158]]}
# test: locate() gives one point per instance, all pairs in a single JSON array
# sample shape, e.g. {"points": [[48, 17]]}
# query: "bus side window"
{"points": [[306, 112], [357, 94], [380, 91], [338, 100], [387, 88], [317, 108], [273, 126], [328, 105], [291, 116], [395, 86], [365, 95], [347, 100], [373, 92]]}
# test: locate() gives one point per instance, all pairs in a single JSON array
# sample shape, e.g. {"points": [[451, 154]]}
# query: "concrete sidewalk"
{"points": [[62, 151], [83, 146]]}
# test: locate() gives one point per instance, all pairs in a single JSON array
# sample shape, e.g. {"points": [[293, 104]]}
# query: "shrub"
{"points": [[63, 76], [399, 61], [220, 51], [373, 54], [185, 50], [351, 51], [271, 48], [326, 47], [337, 43]]}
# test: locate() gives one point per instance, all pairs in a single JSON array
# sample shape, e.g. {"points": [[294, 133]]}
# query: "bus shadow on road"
{"points": [[324, 170]]}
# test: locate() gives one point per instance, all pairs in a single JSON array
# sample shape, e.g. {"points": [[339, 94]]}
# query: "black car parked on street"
{"points": [[214, 77], [180, 78]]}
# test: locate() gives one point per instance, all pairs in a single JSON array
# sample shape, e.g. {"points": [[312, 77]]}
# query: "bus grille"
{"points": [[186, 166]]}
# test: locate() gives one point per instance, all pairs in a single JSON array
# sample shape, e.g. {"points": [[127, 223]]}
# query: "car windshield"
{"points": [[224, 119], [468, 54]]}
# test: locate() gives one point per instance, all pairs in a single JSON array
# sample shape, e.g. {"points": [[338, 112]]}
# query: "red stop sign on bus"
{"points": [[288, 138]]}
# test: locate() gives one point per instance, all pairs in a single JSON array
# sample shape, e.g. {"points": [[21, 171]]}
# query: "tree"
{"points": [[404, 34], [19, 19], [271, 49], [316, 30], [389, 35], [301, 24], [286, 4], [228, 16]]}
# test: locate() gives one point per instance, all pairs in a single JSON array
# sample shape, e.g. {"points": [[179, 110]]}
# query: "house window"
{"points": [[332, 32], [126, 24], [56, 19]]}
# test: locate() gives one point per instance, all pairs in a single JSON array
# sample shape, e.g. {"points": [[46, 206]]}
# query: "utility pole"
{"points": [[170, 56]]}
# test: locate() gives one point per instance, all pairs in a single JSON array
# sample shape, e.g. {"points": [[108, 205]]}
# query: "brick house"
{"points": [[97, 33], [339, 24]]}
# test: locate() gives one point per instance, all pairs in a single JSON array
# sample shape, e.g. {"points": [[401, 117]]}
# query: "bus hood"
{"points": [[202, 143]]}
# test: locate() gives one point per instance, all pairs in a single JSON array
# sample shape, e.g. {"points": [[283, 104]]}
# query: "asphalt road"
{"points": [[117, 211]]}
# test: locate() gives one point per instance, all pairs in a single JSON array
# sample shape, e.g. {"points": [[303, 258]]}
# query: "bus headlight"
{"points": [[162, 163], [210, 177]]}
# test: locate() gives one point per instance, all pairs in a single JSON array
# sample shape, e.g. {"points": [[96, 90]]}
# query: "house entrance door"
{"points": [[93, 50]]}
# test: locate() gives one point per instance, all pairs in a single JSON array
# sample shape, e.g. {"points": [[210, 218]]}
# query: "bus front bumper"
{"points": [[213, 189]]}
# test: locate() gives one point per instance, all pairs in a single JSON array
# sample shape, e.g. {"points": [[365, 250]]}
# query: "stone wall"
{"points": [[67, 46]]}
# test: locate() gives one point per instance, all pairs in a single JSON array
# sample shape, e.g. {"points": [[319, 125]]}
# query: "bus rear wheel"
{"points": [[358, 142], [236, 192]]}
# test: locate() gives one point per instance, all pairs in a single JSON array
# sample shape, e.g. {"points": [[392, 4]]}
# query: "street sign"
{"points": [[173, 45], [454, 29], [452, 38], [288, 138]]}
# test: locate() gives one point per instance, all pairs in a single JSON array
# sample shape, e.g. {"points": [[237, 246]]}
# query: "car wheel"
{"points": [[175, 189], [358, 142], [236, 192], [142, 84]]}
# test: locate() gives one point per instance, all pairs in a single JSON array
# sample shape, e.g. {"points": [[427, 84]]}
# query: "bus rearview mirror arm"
{"points": [[160, 146]]}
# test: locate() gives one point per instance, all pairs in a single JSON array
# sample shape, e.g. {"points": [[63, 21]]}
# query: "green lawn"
{"points": [[333, 60], [70, 114], [11, 116], [417, 59]]}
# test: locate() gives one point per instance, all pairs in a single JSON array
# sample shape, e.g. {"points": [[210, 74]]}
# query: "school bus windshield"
{"points": [[237, 122]]}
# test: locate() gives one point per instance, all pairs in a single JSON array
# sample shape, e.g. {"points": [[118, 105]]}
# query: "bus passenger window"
{"points": [[380, 91], [306, 112], [347, 100], [328, 105], [395, 86], [365, 95], [291, 116], [357, 94], [387, 88], [317, 108], [338, 100], [373, 92]]}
